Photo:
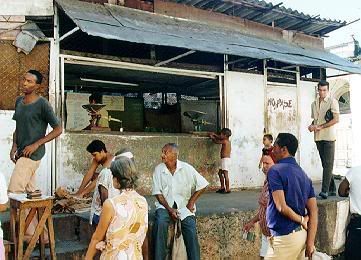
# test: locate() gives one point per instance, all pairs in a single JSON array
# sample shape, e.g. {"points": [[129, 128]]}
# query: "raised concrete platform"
{"points": [[220, 218]]}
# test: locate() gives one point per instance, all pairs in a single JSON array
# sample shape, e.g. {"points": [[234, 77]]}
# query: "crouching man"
{"points": [[173, 183]]}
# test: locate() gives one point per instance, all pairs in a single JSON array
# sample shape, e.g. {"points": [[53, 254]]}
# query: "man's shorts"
{"points": [[225, 164]]}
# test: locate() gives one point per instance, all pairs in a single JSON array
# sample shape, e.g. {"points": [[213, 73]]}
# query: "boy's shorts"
{"points": [[225, 164]]}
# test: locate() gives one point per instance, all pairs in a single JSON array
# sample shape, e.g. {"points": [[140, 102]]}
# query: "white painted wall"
{"points": [[6, 166], [246, 108], [21, 7], [355, 91], [281, 107], [67, 176], [245, 102], [354, 83], [309, 157]]}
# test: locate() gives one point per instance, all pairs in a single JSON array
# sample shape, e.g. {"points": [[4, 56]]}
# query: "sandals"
{"points": [[223, 191]]}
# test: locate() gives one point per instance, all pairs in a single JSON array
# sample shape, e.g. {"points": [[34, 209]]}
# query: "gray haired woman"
{"points": [[124, 219]]}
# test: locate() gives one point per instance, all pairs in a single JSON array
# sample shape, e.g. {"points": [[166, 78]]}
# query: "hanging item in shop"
{"points": [[95, 116], [196, 119]]}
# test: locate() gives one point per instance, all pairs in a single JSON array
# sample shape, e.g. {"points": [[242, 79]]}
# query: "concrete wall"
{"points": [[21, 7], [246, 112], [308, 154], [245, 101], [73, 160], [339, 85], [355, 91], [6, 166]]}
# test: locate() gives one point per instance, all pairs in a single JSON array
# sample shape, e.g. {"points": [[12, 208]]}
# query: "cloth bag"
{"points": [[179, 251], [320, 256]]}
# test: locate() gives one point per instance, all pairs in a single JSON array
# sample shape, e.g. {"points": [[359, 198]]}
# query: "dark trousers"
{"points": [[160, 235], [326, 149], [353, 239]]}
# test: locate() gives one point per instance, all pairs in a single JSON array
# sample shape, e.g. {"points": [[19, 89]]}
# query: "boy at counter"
{"points": [[100, 157], [223, 139]]}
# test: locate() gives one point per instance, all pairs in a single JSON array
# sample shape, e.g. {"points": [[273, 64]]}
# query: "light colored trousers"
{"points": [[23, 177], [291, 246]]}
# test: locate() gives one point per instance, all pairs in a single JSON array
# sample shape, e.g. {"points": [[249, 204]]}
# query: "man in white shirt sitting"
{"points": [[351, 186], [173, 183]]}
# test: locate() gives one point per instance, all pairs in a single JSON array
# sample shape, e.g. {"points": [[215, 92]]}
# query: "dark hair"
{"points": [[124, 170], [37, 74], [322, 83], [96, 97], [289, 141], [96, 146], [226, 131], [269, 137]]}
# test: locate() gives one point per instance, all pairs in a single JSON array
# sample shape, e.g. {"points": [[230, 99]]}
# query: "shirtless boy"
{"points": [[223, 139]]}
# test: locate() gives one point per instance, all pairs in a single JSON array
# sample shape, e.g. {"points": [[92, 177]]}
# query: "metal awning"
{"points": [[270, 14], [131, 25]]}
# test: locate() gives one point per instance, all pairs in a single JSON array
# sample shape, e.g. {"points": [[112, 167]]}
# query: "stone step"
{"points": [[65, 250], [66, 227]]}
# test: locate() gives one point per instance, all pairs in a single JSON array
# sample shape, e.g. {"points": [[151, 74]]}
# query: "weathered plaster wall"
{"points": [[245, 101], [20, 7], [339, 85], [246, 108], [308, 154], [73, 160], [6, 166]]}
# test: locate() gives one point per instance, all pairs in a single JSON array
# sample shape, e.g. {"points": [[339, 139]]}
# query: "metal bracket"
{"points": [[69, 33], [174, 58]]}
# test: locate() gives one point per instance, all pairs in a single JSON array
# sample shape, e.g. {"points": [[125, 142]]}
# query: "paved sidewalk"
{"points": [[213, 203]]}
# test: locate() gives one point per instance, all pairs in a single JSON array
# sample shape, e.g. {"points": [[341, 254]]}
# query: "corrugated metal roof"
{"points": [[119, 23], [267, 13]]}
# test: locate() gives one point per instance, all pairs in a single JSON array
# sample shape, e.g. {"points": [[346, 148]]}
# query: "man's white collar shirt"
{"points": [[179, 187], [354, 178]]}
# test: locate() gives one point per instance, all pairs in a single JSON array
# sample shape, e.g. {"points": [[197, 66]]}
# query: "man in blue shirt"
{"points": [[292, 209]]}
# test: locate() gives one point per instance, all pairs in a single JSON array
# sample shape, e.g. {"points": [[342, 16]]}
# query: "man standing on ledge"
{"points": [[325, 114], [291, 193], [174, 182], [32, 115]]}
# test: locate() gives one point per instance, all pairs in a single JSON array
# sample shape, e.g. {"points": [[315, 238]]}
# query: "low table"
{"points": [[20, 221]]}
